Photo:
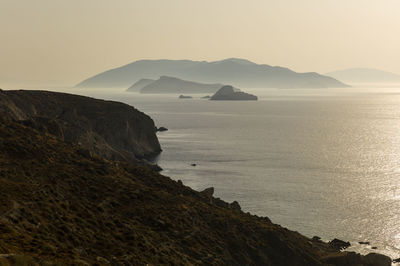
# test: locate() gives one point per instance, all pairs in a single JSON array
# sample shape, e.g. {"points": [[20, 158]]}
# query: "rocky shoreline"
{"points": [[63, 205]]}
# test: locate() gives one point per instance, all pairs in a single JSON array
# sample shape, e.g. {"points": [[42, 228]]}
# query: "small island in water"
{"points": [[185, 97], [228, 93]]}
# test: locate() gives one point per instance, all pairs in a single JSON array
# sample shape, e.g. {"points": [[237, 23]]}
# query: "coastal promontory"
{"points": [[111, 129], [60, 205]]}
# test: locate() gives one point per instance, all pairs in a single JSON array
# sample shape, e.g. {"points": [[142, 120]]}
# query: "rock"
{"points": [[161, 129], [374, 247], [339, 244], [343, 259], [228, 93], [364, 243], [193, 164], [113, 130], [185, 97], [206, 97], [235, 206], [353, 259], [374, 259], [396, 260], [316, 239], [155, 167], [208, 192]]}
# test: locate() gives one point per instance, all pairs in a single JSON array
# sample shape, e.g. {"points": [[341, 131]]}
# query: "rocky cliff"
{"points": [[111, 129], [62, 204], [59, 206]]}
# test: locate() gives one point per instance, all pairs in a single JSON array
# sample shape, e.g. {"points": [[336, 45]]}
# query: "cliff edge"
{"points": [[59, 206], [111, 129]]}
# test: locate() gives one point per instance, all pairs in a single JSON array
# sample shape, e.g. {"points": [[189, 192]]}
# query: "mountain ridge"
{"points": [[167, 84], [234, 71], [365, 75]]}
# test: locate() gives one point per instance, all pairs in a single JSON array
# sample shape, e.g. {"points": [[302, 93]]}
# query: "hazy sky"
{"points": [[65, 41]]}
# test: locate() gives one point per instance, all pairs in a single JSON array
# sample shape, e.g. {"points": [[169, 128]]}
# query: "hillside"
{"points": [[114, 130], [174, 85], [140, 84], [237, 72], [365, 75], [60, 205]]}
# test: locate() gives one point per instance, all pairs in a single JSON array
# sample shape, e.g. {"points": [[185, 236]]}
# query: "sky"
{"points": [[62, 42]]}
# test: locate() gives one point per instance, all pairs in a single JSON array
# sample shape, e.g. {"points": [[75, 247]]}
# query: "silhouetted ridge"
{"points": [[174, 85], [365, 75], [140, 84], [238, 72]]}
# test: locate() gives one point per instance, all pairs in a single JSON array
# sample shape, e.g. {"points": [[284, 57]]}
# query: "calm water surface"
{"points": [[321, 162]]}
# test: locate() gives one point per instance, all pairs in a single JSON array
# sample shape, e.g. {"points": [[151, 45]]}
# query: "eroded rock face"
{"points": [[111, 129]]}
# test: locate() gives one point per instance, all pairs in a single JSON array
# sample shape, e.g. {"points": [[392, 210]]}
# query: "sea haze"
{"points": [[322, 162]]}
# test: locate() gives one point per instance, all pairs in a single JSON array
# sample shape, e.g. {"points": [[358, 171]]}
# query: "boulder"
{"points": [[316, 239], [354, 259], [374, 259], [161, 129], [208, 192], [343, 259], [235, 206], [339, 244]]}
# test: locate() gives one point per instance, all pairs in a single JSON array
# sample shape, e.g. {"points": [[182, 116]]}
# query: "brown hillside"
{"points": [[61, 205]]}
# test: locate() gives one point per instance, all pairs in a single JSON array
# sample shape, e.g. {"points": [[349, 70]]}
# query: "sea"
{"points": [[323, 162]]}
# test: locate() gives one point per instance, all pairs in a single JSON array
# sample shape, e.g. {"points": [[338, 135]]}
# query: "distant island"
{"points": [[237, 72], [365, 75], [140, 84], [228, 93], [184, 97], [167, 84]]}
